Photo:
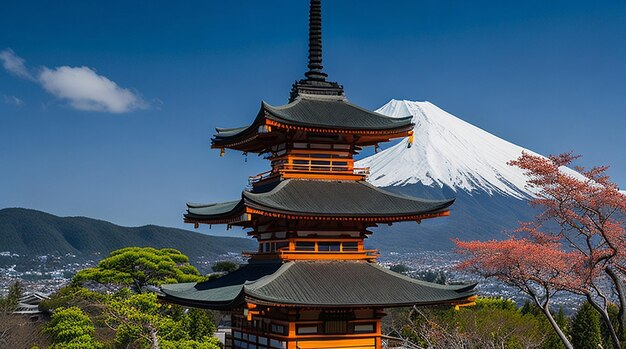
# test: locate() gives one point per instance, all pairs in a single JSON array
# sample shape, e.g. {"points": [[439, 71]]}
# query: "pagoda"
{"points": [[312, 283]]}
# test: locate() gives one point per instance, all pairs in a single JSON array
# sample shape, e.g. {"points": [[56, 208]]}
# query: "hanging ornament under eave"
{"points": [[411, 139], [222, 152], [376, 148]]}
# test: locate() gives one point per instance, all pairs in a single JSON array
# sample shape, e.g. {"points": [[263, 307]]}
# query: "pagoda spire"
{"points": [[315, 42], [315, 83]]}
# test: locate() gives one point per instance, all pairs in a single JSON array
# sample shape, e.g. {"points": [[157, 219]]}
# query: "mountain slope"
{"points": [[32, 232], [448, 152]]}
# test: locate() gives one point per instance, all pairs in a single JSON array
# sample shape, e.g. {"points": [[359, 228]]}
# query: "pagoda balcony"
{"points": [[294, 255], [311, 171]]}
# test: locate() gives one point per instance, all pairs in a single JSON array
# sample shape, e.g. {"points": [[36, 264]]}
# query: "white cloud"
{"points": [[81, 87], [86, 90], [13, 100], [15, 64]]}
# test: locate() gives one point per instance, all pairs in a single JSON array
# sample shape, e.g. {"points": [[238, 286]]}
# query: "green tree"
{"points": [[140, 321], [10, 302], [491, 323], [225, 266], [198, 323], [70, 328], [586, 328], [139, 267], [399, 268]]}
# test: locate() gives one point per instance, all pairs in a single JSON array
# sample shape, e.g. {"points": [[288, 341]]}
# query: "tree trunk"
{"points": [[545, 309], [555, 326], [607, 321], [619, 287], [153, 337]]}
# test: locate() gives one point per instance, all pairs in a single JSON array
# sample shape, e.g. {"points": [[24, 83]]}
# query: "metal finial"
{"points": [[315, 43]]}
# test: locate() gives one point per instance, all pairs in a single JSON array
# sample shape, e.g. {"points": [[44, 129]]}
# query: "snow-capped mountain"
{"points": [[450, 158], [447, 152]]}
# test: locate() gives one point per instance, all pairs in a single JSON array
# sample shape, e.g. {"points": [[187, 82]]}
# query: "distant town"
{"points": [[48, 273]]}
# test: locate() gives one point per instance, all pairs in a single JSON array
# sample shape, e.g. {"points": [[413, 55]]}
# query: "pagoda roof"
{"points": [[321, 199], [312, 113], [315, 284], [332, 112]]}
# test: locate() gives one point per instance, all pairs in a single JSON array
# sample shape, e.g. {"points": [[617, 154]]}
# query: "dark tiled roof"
{"points": [[354, 199], [326, 112], [326, 284], [222, 292], [213, 210], [339, 198], [332, 112]]}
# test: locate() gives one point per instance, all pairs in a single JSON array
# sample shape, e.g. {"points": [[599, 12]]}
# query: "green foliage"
{"points": [[613, 311], [10, 302], [496, 303], [198, 324], [71, 328], [586, 328], [437, 277], [139, 267], [139, 320], [399, 268], [206, 343], [72, 296], [225, 266], [491, 323]]}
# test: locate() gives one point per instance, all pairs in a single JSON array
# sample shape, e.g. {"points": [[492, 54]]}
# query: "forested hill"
{"points": [[32, 232]]}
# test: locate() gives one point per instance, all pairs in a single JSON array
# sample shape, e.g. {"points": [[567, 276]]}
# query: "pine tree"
{"points": [[586, 328]]}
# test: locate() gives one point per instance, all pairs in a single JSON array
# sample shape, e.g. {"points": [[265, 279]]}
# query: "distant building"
{"points": [[312, 283]]}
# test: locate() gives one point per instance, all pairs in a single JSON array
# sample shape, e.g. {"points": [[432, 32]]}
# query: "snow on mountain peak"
{"points": [[447, 151]]}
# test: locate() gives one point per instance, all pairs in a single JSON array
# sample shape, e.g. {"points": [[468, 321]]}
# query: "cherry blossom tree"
{"points": [[577, 243]]}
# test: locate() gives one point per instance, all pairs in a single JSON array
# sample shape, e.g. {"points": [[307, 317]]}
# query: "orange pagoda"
{"points": [[312, 283]]}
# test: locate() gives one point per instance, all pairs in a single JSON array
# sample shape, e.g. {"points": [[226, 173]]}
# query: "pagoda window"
{"points": [[350, 246], [273, 246], [329, 246], [278, 329], [321, 146], [277, 344], [365, 328], [307, 329], [305, 246]]}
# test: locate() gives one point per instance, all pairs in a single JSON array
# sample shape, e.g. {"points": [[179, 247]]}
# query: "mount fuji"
{"points": [[450, 158]]}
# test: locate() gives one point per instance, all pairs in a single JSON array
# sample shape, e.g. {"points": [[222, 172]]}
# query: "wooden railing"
{"points": [[362, 172], [286, 254]]}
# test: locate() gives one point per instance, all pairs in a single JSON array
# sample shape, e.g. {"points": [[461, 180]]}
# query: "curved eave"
{"points": [[321, 200], [333, 114], [218, 213], [316, 284], [341, 200], [242, 138], [386, 218], [350, 119], [350, 284], [227, 305], [278, 303]]}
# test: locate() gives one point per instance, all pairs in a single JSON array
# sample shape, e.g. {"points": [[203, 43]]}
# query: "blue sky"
{"points": [[107, 108]]}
